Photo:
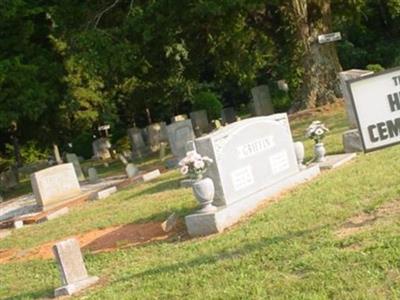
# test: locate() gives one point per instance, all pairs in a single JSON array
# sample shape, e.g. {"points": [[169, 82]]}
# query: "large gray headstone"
{"points": [[262, 101], [54, 185], [200, 122], [179, 133], [249, 155], [344, 77], [137, 143], [228, 115], [74, 276], [72, 158]]}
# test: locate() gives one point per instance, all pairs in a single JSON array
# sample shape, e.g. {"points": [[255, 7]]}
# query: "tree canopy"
{"points": [[68, 66]]}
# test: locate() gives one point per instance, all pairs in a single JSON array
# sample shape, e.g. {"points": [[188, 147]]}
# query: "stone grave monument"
{"points": [[137, 143], [93, 176], [179, 133], [131, 170], [262, 101], [74, 276], [253, 159], [228, 115], [55, 185], [156, 135], [200, 122], [101, 148], [351, 138], [72, 158]]}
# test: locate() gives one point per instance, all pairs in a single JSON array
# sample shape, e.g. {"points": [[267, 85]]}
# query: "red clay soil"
{"points": [[96, 241]]}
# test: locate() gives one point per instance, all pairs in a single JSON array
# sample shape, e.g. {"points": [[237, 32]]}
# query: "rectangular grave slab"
{"points": [[74, 276], [249, 156], [262, 101], [106, 193], [54, 215], [337, 160], [151, 175], [72, 158], [53, 186], [179, 133]]}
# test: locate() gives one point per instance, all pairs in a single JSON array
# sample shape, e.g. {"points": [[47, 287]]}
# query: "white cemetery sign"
{"points": [[329, 37], [376, 101]]}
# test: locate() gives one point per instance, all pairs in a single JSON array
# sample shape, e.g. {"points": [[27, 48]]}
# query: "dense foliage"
{"points": [[68, 66]]}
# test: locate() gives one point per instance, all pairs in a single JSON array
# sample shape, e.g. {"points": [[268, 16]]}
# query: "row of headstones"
{"points": [[182, 130]]}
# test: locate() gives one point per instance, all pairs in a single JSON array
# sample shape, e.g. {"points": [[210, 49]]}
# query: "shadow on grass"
{"points": [[163, 186], [42, 294], [222, 255]]}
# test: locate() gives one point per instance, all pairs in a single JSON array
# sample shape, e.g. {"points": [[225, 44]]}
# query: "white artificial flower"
{"points": [[199, 164], [184, 170], [319, 131]]}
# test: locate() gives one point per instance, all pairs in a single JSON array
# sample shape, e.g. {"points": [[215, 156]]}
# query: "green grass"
{"points": [[287, 250]]}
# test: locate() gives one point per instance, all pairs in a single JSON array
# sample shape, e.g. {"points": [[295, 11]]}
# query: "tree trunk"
{"points": [[319, 63]]}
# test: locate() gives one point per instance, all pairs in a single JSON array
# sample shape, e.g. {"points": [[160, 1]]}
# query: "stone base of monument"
{"points": [[75, 287], [334, 161], [352, 141], [208, 223]]}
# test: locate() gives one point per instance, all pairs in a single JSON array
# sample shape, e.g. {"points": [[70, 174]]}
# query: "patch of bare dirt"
{"points": [[364, 221], [101, 240]]}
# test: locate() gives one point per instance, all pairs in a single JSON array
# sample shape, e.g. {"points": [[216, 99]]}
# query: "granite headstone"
{"points": [[262, 101], [179, 133]]}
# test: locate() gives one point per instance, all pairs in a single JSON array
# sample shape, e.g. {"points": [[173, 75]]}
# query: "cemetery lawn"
{"points": [[334, 237]]}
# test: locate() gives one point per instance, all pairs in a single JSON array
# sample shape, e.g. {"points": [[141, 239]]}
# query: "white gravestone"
{"points": [[55, 185], [74, 276], [179, 133], [253, 159]]}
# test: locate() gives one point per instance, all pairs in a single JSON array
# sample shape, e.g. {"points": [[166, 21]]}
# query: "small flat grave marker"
{"points": [[151, 175]]}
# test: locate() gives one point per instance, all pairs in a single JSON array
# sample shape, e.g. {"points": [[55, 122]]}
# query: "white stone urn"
{"points": [[203, 190], [319, 152]]}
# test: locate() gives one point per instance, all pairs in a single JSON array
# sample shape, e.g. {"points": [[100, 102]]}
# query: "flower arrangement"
{"points": [[194, 165], [316, 131]]}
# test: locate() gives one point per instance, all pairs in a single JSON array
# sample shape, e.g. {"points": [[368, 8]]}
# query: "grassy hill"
{"points": [[334, 237]]}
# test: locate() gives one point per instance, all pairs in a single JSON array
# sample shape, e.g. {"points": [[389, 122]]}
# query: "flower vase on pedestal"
{"points": [[319, 152], [203, 190]]}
